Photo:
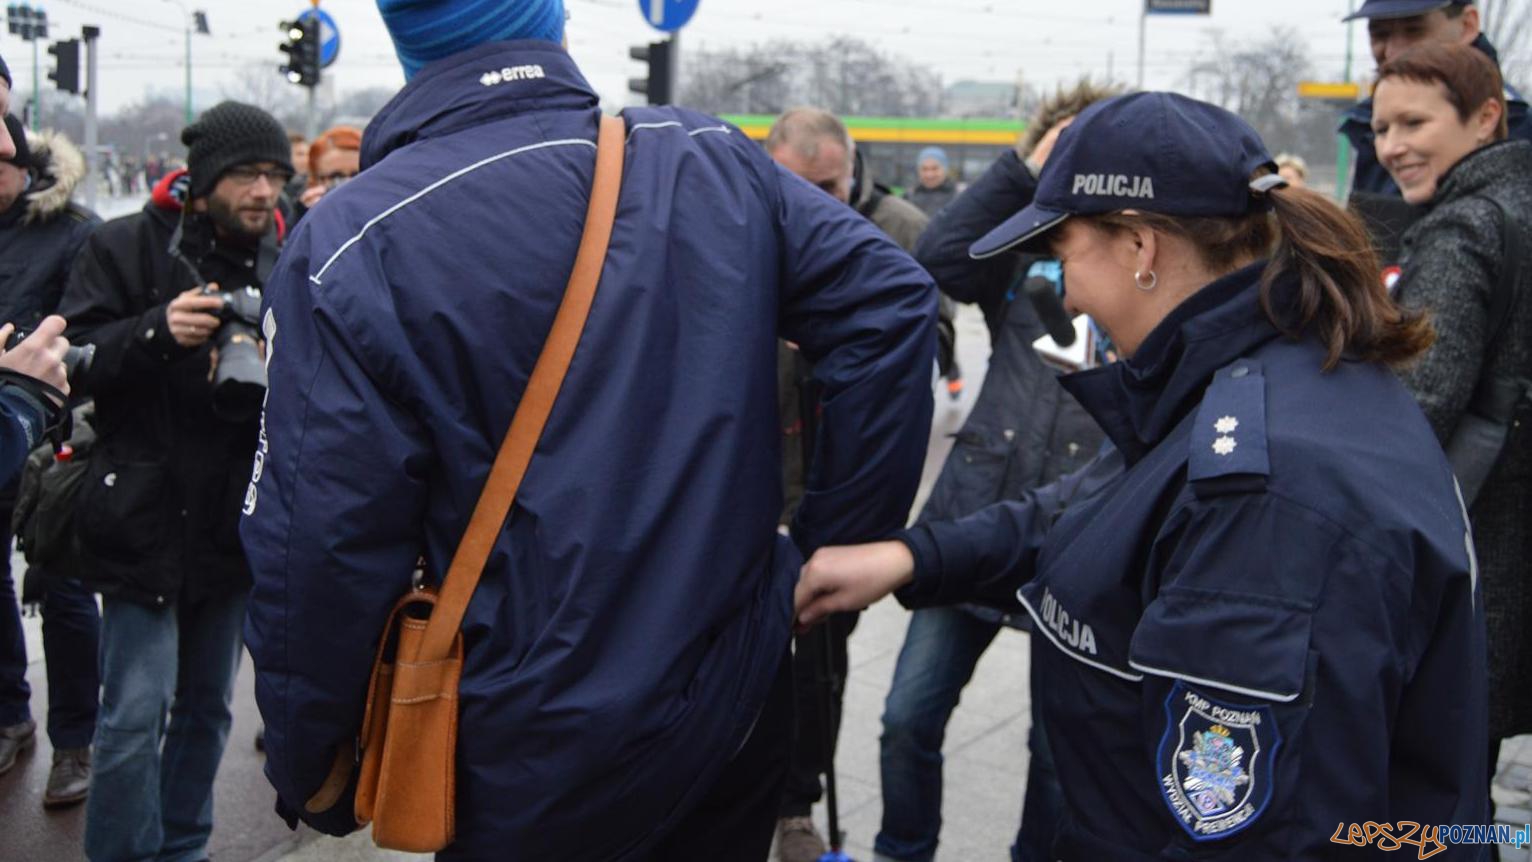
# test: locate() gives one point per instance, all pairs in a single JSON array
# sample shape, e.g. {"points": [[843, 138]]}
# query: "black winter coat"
{"points": [[1025, 430], [41, 234], [158, 516]]}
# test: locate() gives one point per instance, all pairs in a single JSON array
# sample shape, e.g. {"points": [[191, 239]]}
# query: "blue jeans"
{"points": [[151, 793], [941, 649], [71, 632]]}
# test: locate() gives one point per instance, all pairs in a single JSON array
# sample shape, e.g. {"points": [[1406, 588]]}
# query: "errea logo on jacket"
{"points": [[511, 73], [1115, 185]]}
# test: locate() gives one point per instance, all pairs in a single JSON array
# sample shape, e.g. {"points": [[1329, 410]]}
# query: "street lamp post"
{"points": [[1343, 144]]}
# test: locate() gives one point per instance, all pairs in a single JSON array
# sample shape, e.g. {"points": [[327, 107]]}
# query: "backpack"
{"points": [[43, 521]]}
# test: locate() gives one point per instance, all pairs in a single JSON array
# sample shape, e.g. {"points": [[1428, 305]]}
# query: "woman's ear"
{"points": [[1487, 121], [1146, 249]]}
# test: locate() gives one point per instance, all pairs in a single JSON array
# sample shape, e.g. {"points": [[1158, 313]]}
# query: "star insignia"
{"points": [[1226, 425], [1224, 445]]}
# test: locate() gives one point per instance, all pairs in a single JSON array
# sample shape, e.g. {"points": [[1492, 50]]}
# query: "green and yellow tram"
{"points": [[889, 145]]}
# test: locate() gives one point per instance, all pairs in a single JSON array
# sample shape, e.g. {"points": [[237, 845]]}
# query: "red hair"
{"points": [[338, 138]]}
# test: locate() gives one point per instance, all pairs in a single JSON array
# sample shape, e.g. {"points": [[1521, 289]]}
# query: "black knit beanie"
{"points": [[228, 135], [23, 157]]}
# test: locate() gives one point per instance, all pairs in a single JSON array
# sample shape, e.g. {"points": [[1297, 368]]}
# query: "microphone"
{"points": [[1050, 310]]}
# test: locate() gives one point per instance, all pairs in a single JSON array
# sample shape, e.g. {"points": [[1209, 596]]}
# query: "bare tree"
{"points": [[357, 107], [842, 74], [1259, 81], [260, 84], [148, 128], [1508, 24]]}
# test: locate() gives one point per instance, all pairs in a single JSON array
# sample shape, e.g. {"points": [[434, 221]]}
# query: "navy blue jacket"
{"points": [[1371, 176], [1261, 608], [23, 421], [1024, 430], [638, 603]]}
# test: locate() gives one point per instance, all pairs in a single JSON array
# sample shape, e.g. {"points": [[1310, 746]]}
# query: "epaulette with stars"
{"points": [[1228, 440]]}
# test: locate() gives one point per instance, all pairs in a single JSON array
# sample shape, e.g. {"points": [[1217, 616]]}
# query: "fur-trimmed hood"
{"points": [[60, 168]]}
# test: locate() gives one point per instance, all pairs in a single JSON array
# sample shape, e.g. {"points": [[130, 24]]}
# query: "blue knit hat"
{"points": [[937, 153], [427, 30]]}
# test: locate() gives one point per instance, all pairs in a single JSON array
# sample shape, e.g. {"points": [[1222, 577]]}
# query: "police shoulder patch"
{"points": [[1215, 762]]}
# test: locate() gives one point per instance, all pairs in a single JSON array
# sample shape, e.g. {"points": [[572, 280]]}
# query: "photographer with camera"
{"points": [[41, 233], [177, 380]]}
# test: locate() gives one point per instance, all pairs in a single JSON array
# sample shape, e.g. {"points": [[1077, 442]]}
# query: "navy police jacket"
{"points": [[1259, 612], [1356, 125], [638, 603]]}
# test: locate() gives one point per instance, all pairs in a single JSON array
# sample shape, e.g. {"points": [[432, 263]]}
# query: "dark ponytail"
{"points": [[1341, 293]]}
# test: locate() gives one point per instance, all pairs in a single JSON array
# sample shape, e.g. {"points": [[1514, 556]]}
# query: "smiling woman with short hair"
{"points": [[1439, 115]]}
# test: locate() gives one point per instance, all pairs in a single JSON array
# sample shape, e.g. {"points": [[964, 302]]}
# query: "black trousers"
{"points": [[812, 748], [738, 817]]}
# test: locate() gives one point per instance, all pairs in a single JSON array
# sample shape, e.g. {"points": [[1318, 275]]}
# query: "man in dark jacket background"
{"points": [[41, 232], [158, 513], [626, 691], [1394, 26]]}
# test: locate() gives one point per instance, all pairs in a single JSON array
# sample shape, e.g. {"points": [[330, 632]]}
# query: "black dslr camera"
{"points": [[239, 380], [77, 359]]}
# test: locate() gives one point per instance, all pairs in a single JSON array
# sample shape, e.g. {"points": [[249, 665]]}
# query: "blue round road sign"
{"points": [[329, 36], [668, 15]]}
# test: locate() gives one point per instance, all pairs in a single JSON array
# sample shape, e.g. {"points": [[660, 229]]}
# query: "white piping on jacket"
{"points": [[317, 277]]}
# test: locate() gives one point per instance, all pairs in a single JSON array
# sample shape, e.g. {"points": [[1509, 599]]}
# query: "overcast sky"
{"points": [[1045, 41]]}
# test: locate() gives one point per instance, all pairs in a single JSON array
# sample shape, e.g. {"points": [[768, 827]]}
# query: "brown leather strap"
{"points": [[536, 403]]}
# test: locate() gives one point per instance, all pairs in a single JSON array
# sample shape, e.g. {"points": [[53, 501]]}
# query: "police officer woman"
{"points": [[1260, 606]]}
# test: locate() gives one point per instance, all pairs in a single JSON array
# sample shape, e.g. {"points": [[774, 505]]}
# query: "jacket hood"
{"points": [[170, 192], [60, 167], [492, 81]]}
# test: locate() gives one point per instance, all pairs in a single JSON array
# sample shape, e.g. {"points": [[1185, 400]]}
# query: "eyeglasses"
{"points": [[330, 181], [247, 174]]}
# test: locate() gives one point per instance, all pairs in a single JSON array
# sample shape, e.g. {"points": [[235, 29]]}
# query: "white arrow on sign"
{"points": [[657, 12]]}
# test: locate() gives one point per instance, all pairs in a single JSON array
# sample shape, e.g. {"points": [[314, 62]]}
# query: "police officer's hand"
{"points": [[850, 578], [40, 355], [192, 316]]}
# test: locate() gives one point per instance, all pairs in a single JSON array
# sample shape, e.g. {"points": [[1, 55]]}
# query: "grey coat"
{"points": [[1452, 258]]}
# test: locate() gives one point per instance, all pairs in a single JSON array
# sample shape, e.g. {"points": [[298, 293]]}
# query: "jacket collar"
{"points": [[488, 82], [14, 214], [1138, 402], [1484, 168]]}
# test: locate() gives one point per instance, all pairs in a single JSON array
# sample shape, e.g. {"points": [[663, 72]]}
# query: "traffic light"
{"points": [[302, 49], [66, 70], [25, 21], [661, 71]]}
